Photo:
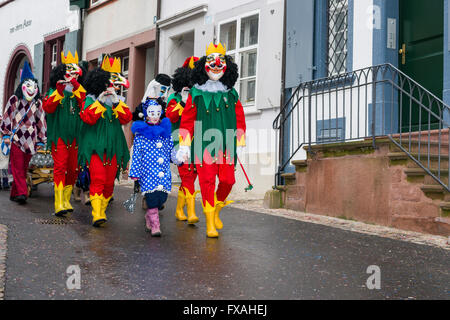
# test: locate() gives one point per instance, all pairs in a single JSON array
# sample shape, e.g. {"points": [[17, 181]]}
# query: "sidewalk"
{"points": [[349, 225], [3, 236]]}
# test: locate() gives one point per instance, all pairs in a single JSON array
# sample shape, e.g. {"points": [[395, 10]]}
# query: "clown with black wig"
{"points": [[213, 106], [103, 147], [182, 83], [150, 164], [63, 103], [24, 130]]}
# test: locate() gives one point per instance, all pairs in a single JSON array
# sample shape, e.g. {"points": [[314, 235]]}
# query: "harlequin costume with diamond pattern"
{"points": [[103, 146], [213, 104], [187, 171], [62, 105]]}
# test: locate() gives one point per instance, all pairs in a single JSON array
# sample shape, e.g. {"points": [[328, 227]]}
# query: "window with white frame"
{"points": [[125, 65], [54, 60], [337, 36], [240, 37]]}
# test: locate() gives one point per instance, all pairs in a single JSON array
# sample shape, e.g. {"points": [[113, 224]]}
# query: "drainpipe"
{"points": [[82, 15], [282, 96], [158, 16]]}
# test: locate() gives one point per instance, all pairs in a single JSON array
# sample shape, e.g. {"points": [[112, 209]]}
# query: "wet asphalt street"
{"points": [[256, 257]]}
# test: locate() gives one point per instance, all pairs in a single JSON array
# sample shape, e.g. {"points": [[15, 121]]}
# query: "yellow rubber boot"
{"points": [[181, 202], [190, 207], [67, 195], [105, 203], [96, 203], [60, 210], [219, 206], [209, 212]]}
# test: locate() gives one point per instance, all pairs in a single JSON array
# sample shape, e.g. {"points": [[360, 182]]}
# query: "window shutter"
{"points": [[82, 4], [299, 42], [39, 62], [72, 42]]}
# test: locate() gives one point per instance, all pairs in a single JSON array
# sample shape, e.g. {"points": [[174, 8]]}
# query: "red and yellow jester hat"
{"points": [[114, 67], [71, 63]]}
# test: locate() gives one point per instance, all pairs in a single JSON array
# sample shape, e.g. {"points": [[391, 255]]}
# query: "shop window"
{"points": [[240, 36]]}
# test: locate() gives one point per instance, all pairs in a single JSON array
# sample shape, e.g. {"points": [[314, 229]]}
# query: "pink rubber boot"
{"points": [[148, 223], [154, 221]]}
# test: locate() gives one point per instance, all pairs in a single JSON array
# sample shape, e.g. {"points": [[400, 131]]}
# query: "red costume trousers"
{"points": [[65, 159], [103, 173], [188, 175], [19, 161], [207, 174]]}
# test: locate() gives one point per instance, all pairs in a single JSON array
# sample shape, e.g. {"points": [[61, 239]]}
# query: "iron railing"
{"points": [[378, 101]]}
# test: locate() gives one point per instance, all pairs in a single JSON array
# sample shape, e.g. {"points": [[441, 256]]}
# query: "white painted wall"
{"points": [[47, 17], [362, 34], [118, 20]]}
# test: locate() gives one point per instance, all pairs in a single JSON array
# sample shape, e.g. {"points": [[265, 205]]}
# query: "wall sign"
{"points": [[392, 33], [21, 26]]}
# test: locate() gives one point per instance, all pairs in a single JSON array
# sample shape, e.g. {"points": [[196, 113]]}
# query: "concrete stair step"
{"points": [[434, 146], [404, 156], [437, 189], [300, 163], [445, 206], [420, 172]]}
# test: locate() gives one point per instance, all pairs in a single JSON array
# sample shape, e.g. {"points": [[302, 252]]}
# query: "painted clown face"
{"points": [[154, 111], [117, 81], [73, 71], [215, 66], [29, 89]]}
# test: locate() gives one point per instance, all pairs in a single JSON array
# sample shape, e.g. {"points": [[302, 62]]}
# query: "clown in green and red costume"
{"points": [[213, 119], [103, 147], [182, 83], [63, 104]]}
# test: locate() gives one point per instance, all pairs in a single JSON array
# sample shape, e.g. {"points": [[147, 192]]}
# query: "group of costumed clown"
{"points": [[82, 126]]}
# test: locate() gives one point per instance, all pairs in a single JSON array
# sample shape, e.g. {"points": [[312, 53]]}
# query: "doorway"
{"points": [[421, 40]]}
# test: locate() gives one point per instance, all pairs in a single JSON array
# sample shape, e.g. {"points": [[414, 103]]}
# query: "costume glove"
{"points": [[183, 154]]}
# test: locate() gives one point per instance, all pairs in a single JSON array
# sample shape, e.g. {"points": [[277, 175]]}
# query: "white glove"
{"points": [[113, 95], [183, 154], [102, 96]]}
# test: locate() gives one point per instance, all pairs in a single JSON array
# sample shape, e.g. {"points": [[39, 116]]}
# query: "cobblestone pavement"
{"points": [[349, 225], [3, 235]]}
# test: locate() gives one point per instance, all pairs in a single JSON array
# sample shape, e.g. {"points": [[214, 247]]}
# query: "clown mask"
{"points": [[73, 71], [153, 112], [29, 89], [215, 66], [117, 81]]}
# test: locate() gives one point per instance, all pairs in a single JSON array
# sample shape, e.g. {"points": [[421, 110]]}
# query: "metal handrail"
{"points": [[383, 88]]}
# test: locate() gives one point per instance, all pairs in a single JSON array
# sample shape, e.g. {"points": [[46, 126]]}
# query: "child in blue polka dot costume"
{"points": [[150, 165]]}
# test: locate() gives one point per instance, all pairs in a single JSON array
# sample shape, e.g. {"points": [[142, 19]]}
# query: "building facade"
{"points": [[251, 32], [34, 31], [329, 40]]}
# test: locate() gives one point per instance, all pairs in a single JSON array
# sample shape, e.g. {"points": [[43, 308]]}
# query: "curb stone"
{"points": [[3, 237], [348, 225]]}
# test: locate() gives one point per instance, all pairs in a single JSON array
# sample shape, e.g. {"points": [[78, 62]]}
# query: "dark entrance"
{"points": [[421, 55], [12, 78]]}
